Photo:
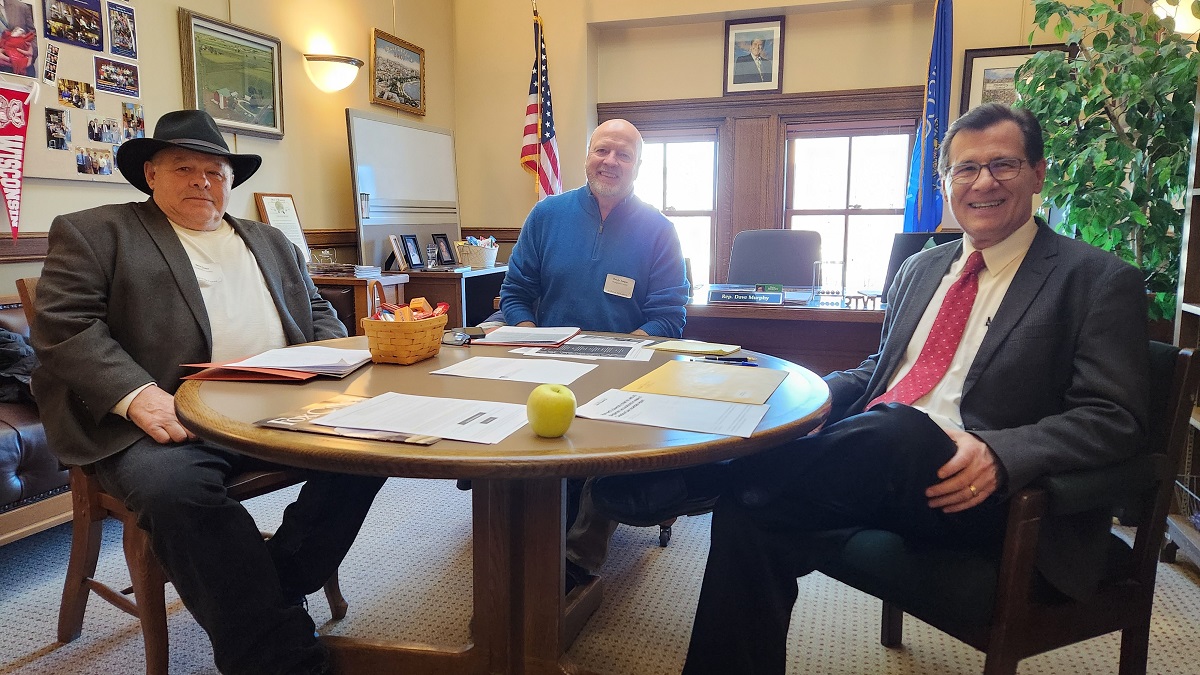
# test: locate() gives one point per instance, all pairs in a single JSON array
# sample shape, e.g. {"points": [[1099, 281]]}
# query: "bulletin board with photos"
{"points": [[83, 59]]}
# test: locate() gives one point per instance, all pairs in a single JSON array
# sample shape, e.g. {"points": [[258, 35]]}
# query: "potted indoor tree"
{"points": [[1117, 112]]}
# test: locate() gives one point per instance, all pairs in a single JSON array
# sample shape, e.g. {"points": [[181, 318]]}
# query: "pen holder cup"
{"points": [[404, 342], [477, 256]]}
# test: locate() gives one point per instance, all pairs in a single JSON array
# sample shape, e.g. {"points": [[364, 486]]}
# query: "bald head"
{"points": [[614, 154]]}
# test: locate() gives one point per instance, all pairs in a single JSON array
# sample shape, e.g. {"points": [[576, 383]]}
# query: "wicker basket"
{"points": [[404, 342], [477, 256]]}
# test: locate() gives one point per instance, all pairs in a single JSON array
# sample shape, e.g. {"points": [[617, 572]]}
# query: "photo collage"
{"points": [[106, 30]]}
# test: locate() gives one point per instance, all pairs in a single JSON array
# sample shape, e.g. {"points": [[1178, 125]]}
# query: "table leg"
{"points": [[522, 622]]}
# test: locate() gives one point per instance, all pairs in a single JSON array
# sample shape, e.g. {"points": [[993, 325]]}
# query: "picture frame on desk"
{"points": [[412, 251], [216, 54], [398, 252], [753, 56], [397, 73], [445, 250], [989, 75]]}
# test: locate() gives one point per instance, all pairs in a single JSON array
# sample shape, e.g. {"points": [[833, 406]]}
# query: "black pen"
{"points": [[730, 363], [737, 359]]}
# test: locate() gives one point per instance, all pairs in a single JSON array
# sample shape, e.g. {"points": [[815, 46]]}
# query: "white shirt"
{"points": [[1002, 260], [241, 314]]}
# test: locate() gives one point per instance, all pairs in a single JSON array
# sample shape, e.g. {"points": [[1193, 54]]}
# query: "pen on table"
{"points": [[729, 363], [729, 358]]}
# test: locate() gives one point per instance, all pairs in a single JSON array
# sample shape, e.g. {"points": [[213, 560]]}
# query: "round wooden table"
{"points": [[522, 623]]}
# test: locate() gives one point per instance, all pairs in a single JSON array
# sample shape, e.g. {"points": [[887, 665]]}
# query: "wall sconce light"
{"points": [[1185, 22], [331, 73]]}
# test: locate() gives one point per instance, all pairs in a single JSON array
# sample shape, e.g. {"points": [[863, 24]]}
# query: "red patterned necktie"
{"points": [[944, 336]]}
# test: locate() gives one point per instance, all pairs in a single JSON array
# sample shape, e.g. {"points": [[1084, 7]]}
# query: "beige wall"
{"points": [[633, 50], [478, 58], [311, 162]]}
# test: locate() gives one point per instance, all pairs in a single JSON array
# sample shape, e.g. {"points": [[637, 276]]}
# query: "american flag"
{"points": [[539, 154]]}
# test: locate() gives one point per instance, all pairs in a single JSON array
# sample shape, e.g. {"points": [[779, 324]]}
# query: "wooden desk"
{"points": [[393, 288], [470, 294], [522, 622], [823, 339]]}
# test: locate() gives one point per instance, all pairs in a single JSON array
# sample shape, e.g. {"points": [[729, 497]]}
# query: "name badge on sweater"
{"points": [[619, 286]]}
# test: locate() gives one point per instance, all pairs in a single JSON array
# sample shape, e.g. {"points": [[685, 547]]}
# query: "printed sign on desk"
{"points": [[746, 297]]}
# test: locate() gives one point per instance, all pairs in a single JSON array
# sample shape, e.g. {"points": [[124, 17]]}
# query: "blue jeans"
{"points": [[237, 585]]}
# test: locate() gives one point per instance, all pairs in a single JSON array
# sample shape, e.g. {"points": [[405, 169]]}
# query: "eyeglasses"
{"points": [[1006, 168], [453, 337]]}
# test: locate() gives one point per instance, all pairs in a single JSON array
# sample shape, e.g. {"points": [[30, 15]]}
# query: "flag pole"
{"points": [[537, 59]]}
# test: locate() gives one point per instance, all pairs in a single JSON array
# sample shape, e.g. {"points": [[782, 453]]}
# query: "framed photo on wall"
{"points": [[989, 75], [233, 74], [397, 73], [754, 55], [445, 250], [412, 252]]}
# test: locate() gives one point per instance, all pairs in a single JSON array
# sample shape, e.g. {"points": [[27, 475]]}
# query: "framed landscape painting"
{"points": [[233, 74], [989, 75], [397, 73]]}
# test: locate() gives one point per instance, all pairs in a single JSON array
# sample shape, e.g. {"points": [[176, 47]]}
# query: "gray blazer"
{"points": [[1060, 383], [118, 305]]}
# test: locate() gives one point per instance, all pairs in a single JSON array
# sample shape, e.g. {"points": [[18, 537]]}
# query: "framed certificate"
{"points": [[279, 211]]}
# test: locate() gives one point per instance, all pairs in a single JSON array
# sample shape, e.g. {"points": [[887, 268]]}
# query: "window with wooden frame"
{"points": [[847, 182], [756, 168], [678, 176]]}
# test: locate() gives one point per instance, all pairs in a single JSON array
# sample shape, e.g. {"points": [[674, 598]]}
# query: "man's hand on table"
{"points": [[153, 410]]}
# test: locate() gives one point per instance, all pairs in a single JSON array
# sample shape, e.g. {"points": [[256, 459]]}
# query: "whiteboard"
{"points": [[404, 182]]}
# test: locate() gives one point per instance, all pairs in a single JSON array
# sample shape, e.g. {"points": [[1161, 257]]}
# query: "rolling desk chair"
{"points": [[774, 257]]}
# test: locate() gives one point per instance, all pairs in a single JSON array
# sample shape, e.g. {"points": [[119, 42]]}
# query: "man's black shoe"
{"points": [[575, 576]]}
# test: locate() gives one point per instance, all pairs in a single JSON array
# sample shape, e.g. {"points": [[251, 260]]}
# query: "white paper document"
{"points": [[595, 347], [543, 371], [309, 358], [461, 420], [531, 336], [675, 412]]}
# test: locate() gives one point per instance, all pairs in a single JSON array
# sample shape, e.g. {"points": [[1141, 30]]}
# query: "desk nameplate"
{"points": [[746, 297]]}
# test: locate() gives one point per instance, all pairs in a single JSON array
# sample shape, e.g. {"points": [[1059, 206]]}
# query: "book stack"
{"points": [[368, 271]]}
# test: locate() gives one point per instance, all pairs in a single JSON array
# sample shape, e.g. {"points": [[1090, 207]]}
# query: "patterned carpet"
{"points": [[408, 577]]}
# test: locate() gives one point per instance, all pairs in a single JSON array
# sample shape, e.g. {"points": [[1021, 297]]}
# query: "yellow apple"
{"points": [[551, 409]]}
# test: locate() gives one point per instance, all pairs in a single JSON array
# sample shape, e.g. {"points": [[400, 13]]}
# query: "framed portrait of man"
{"points": [[754, 56]]}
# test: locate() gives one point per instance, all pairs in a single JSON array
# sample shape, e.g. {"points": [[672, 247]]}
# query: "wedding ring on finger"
{"points": [[974, 490]]}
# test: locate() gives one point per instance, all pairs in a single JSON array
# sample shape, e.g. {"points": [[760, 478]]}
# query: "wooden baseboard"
{"points": [[27, 520]]}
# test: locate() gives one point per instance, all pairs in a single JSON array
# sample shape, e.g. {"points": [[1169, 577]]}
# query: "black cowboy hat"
{"points": [[189, 129]]}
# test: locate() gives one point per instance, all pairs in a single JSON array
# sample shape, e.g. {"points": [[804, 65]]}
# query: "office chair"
{"points": [[1000, 606], [774, 257], [90, 505]]}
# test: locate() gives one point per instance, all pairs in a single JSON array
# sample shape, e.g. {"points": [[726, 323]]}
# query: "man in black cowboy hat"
{"points": [[127, 294]]}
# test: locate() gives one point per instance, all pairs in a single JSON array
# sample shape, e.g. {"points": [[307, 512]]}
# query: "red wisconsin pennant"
{"points": [[14, 118]]}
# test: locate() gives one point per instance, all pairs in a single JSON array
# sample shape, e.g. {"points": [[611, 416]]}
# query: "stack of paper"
{"points": [[695, 347], [517, 336], [299, 362]]}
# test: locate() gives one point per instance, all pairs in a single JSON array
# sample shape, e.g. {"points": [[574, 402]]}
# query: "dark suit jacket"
{"points": [[1060, 383], [118, 305], [745, 70]]}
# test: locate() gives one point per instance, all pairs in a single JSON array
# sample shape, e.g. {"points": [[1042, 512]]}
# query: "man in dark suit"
{"points": [[1036, 363], [127, 294]]}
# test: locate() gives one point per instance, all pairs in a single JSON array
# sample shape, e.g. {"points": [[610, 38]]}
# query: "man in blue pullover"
{"points": [[599, 258]]}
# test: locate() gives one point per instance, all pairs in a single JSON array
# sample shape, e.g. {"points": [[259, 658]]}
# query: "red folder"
{"points": [[217, 371]]}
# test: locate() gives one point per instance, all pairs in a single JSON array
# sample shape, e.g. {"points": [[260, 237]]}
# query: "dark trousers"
{"points": [[787, 509], [237, 585]]}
